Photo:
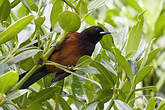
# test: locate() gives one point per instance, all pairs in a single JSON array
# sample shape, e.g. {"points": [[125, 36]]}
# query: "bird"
{"points": [[69, 52]]}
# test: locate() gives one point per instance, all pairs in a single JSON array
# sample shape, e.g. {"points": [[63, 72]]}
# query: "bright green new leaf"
{"points": [[160, 25], [134, 4], [1, 2], [161, 105], [7, 81], [56, 10], [69, 21], [5, 10], [151, 103], [14, 29], [142, 74], [135, 36], [82, 7], [90, 20], [123, 62]]}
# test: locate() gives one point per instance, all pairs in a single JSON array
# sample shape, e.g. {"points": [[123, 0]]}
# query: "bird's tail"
{"points": [[40, 73]]}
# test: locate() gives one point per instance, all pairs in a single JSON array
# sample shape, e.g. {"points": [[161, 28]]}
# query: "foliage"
{"points": [[125, 71]]}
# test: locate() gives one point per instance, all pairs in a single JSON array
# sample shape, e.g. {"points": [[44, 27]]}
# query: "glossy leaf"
{"points": [[14, 29], [107, 41], [151, 103], [69, 21], [24, 55], [56, 10], [122, 105], [142, 74], [16, 94], [107, 75], [161, 106], [41, 96], [7, 81], [135, 36], [84, 61], [5, 10], [160, 25], [123, 62]]}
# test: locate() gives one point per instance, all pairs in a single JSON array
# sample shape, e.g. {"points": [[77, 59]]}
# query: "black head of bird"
{"points": [[93, 34]]}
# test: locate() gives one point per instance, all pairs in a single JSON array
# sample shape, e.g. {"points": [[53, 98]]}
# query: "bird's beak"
{"points": [[104, 33]]}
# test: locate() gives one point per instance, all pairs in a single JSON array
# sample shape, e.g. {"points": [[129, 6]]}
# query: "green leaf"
{"points": [[153, 8], [26, 4], [104, 95], [77, 85], [7, 81], [69, 21], [135, 36], [56, 10], [123, 62], [151, 56], [84, 61], [24, 55], [82, 7], [15, 94], [142, 74], [92, 106], [134, 5], [39, 21], [107, 41], [90, 20], [5, 10], [161, 106], [160, 25], [42, 96], [107, 75], [122, 105], [1, 2], [63, 103], [15, 3], [151, 103], [146, 53], [14, 29]]}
